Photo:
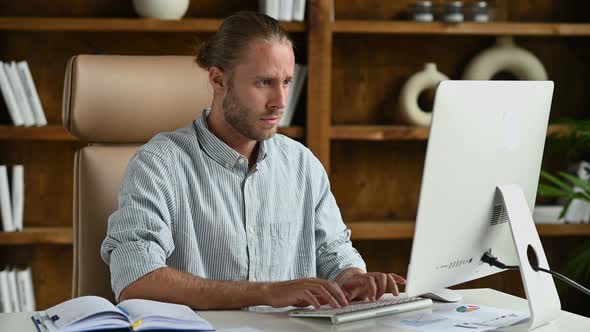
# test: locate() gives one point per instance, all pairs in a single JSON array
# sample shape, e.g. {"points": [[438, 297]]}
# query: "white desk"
{"points": [[281, 322]]}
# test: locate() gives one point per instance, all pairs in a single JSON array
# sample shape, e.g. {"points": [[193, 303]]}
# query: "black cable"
{"points": [[493, 261]]}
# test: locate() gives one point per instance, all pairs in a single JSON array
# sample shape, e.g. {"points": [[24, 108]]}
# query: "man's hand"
{"points": [[358, 285], [304, 292]]}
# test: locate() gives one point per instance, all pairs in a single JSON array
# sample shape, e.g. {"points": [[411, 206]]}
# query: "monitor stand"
{"points": [[544, 304]]}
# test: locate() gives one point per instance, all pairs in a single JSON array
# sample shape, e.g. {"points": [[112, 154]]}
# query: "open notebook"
{"points": [[93, 313]]}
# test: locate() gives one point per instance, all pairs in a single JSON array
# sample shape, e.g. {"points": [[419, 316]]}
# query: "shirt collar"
{"points": [[217, 149]]}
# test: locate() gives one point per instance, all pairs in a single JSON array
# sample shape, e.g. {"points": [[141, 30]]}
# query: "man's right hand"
{"points": [[304, 292]]}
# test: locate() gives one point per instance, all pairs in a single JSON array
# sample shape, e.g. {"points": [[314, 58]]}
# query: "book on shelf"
{"points": [[299, 76], [26, 293], [16, 290], [269, 7], [20, 94], [283, 10], [299, 10], [12, 197], [93, 313], [17, 196], [9, 98], [31, 92], [5, 205], [548, 214]]}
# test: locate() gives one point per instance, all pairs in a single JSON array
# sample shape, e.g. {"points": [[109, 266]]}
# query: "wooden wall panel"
{"points": [[377, 180]]}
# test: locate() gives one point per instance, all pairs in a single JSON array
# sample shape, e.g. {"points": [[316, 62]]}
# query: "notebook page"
{"points": [[77, 309], [145, 314]]}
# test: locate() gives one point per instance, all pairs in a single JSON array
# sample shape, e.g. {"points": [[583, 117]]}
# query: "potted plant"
{"points": [[574, 144]]}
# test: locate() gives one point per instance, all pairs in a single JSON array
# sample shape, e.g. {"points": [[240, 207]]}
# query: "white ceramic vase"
{"points": [[410, 111], [161, 9], [505, 56]]}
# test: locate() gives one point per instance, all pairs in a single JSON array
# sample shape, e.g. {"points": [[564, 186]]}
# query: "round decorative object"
{"points": [[410, 111], [505, 56], [161, 9]]}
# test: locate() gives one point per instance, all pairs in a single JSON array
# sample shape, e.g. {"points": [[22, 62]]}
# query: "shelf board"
{"points": [[44, 133], [404, 230], [379, 133], [396, 132], [58, 133], [466, 28], [361, 230], [121, 24], [37, 235]]}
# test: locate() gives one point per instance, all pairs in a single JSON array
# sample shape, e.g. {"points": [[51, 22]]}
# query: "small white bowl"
{"points": [[161, 9]]}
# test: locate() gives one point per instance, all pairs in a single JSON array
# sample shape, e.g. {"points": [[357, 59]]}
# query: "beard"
{"points": [[244, 119]]}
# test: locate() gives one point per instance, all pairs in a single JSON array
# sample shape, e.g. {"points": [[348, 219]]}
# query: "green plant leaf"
{"points": [[556, 181], [584, 185], [550, 191]]}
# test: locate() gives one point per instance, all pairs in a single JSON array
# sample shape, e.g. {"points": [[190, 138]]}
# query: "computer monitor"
{"points": [[484, 134]]}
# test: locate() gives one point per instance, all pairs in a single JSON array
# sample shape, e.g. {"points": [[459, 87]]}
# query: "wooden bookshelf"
{"points": [[466, 28], [121, 24], [58, 133], [37, 235], [404, 230]]}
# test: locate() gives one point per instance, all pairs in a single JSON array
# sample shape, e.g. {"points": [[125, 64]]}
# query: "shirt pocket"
{"points": [[281, 250]]}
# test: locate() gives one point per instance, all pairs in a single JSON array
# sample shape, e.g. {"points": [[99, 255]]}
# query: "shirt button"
{"points": [[253, 279], [242, 161], [227, 165], [252, 230]]}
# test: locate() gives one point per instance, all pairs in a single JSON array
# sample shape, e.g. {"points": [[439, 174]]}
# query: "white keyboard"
{"points": [[364, 310]]}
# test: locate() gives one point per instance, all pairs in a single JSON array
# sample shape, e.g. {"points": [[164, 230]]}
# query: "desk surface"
{"points": [[279, 321]]}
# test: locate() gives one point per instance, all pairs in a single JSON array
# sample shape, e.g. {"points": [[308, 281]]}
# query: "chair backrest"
{"points": [[115, 104]]}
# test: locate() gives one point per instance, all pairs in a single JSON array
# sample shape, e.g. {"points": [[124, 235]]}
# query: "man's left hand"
{"points": [[369, 286]]}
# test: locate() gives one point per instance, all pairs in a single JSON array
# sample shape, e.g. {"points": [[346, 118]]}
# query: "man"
{"points": [[224, 213]]}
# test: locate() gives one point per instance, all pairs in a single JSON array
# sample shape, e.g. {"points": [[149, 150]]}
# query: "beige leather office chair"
{"points": [[115, 104]]}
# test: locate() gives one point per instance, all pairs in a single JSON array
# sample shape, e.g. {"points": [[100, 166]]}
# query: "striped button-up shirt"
{"points": [[190, 202]]}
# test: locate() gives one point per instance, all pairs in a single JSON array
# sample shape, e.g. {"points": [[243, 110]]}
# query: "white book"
{"points": [[19, 94], [299, 10], [5, 292], [13, 291], [9, 98], [270, 8], [24, 280], [5, 206], [17, 196], [548, 214], [294, 97], [31, 92], [285, 10], [93, 313]]}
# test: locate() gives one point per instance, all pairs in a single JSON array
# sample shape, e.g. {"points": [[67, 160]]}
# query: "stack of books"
{"points": [[295, 90], [16, 290], [20, 94], [283, 10], [12, 192]]}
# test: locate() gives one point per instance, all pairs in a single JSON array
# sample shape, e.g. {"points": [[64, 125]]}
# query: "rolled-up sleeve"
{"points": [[334, 252], [139, 237]]}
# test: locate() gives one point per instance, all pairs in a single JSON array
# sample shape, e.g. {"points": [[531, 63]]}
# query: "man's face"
{"points": [[257, 92]]}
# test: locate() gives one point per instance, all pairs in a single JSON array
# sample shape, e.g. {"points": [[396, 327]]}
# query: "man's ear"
{"points": [[216, 79]]}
